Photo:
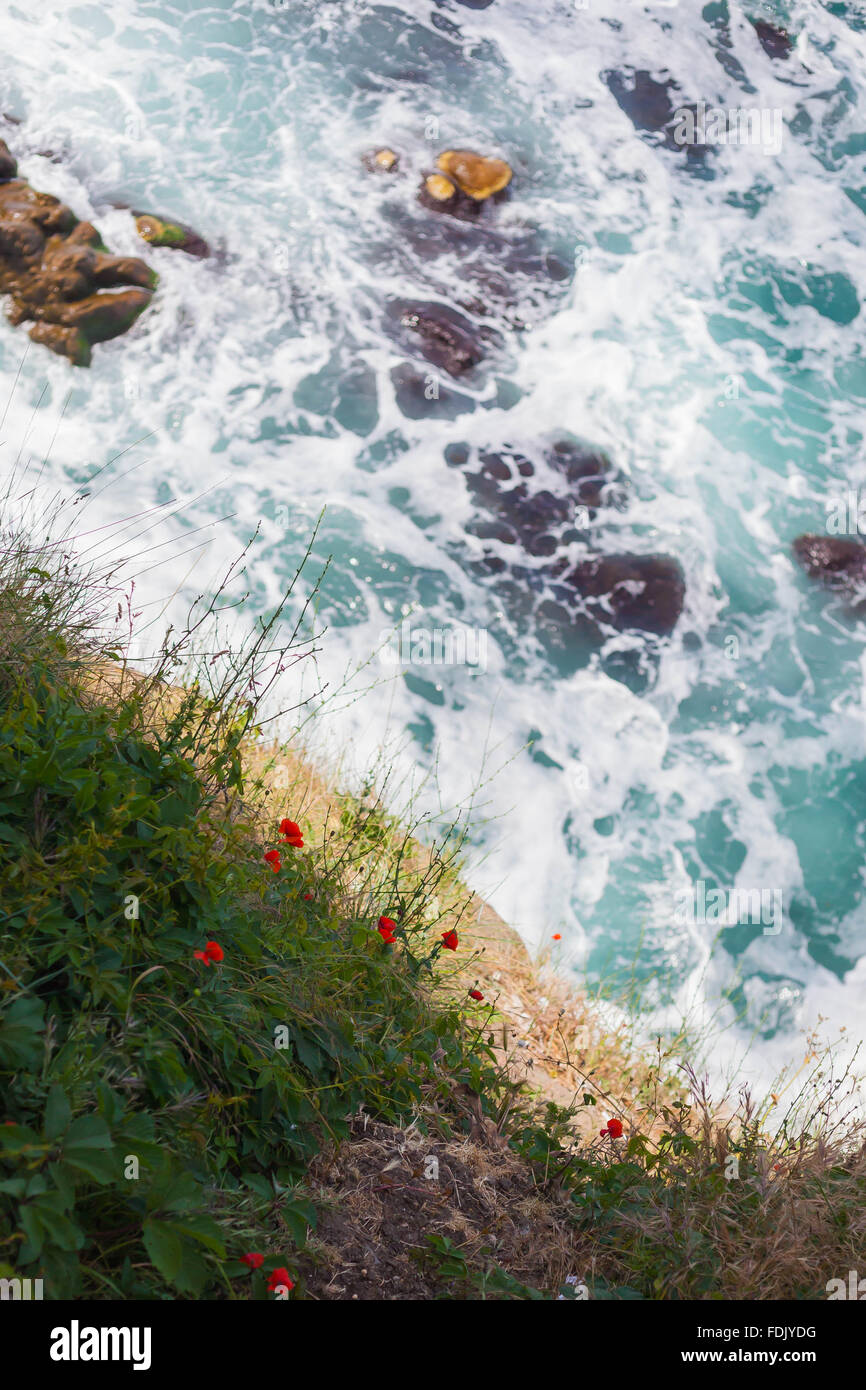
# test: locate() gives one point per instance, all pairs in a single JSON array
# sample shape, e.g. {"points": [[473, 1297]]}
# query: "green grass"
{"points": [[159, 1112], [116, 1044]]}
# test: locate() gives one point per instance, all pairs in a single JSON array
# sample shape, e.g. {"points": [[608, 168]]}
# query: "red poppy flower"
{"points": [[254, 1261], [279, 1277], [211, 953], [273, 858], [614, 1129], [449, 940], [291, 833], [307, 897], [477, 995], [386, 930], [557, 936]]}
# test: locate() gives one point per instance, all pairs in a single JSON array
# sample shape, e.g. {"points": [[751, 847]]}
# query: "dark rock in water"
{"points": [[424, 398], [774, 41], [162, 231], [539, 507], [644, 100], [509, 273], [647, 101], [837, 561], [555, 511], [438, 193], [642, 592], [594, 480], [544, 508], [483, 249], [575, 611], [444, 337], [718, 17], [54, 267]]}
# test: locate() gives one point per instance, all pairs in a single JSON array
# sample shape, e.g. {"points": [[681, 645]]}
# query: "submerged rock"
{"points": [[475, 175], [644, 99], [648, 103], [161, 231], [419, 398], [547, 514], [445, 337], [775, 41], [836, 561], [539, 507], [53, 267], [512, 275]]}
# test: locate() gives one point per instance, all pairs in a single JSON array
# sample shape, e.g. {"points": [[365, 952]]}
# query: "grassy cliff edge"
{"points": [[242, 1052]]}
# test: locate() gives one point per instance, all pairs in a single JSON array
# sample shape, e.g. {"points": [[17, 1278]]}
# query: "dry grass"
{"points": [[383, 1195]]}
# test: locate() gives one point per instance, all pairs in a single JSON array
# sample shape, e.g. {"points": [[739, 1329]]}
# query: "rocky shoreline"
{"points": [[58, 273]]}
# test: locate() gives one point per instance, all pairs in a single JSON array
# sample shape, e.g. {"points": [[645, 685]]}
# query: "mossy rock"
{"points": [[161, 231]]}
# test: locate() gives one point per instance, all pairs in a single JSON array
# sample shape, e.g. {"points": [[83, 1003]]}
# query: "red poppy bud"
{"points": [[278, 1278], [449, 940], [477, 995], [557, 936]]}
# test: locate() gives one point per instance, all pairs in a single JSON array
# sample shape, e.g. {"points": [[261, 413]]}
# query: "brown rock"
{"points": [[475, 175], [8, 165], [66, 342], [54, 268]]}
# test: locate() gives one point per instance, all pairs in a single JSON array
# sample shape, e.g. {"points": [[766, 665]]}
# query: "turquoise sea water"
{"points": [[700, 321]]}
